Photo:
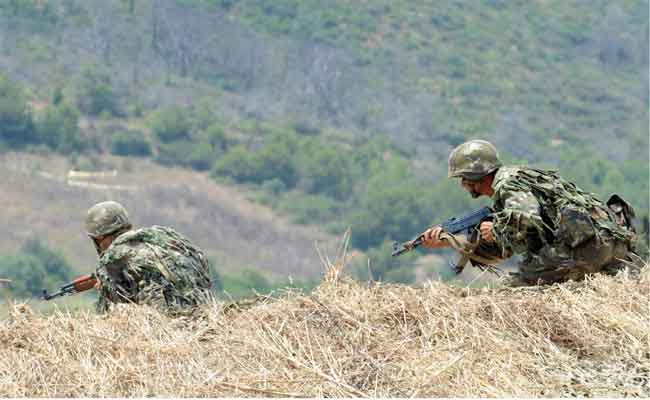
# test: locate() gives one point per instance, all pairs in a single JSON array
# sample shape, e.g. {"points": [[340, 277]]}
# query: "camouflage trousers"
{"points": [[559, 262]]}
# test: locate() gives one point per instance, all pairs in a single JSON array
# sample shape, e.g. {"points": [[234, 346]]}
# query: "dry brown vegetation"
{"points": [[347, 339]]}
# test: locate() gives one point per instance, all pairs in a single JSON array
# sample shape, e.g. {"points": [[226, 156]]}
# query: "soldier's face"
{"points": [[472, 187], [102, 243]]}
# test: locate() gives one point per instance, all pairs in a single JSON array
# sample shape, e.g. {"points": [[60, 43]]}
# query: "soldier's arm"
{"points": [[517, 219], [115, 277]]}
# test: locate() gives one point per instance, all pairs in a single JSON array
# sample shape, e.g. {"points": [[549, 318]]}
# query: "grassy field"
{"points": [[346, 339]]}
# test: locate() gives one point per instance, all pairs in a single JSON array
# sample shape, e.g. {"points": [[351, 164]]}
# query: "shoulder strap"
{"points": [[467, 250]]}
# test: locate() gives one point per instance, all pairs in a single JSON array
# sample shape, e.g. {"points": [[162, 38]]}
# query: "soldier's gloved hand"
{"points": [[432, 238], [487, 231]]}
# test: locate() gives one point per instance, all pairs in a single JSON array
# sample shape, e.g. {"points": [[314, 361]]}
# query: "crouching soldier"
{"points": [[156, 266], [561, 231]]}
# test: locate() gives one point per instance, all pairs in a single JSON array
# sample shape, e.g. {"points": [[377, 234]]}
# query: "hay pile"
{"points": [[346, 339]]}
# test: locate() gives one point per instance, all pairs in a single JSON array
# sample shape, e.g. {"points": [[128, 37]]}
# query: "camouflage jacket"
{"points": [[155, 266], [535, 207]]}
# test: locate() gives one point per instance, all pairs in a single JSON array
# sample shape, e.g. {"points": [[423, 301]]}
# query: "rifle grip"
{"points": [[84, 283]]}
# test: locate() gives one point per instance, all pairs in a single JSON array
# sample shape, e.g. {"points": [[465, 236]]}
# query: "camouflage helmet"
{"points": [[105, 218], [473, 160]]}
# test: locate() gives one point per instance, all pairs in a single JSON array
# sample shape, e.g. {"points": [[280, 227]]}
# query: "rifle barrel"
{"points": [[80, 284]]}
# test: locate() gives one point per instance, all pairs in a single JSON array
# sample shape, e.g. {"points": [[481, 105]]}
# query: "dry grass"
{"points": [[347, 340]]}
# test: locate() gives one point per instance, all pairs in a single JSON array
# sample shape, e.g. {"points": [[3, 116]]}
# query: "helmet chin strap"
{"points": [[99, 250]]}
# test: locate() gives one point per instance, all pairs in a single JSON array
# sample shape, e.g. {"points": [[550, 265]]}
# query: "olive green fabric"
{"points": [[155, 266], [105, 218], [473, 160], [562, 231]]}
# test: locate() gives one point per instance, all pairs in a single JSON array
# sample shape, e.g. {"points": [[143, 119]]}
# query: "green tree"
{"points": [[16, 124], [324, 169], [275, 160], [44, 13], [394, 205], [130, 143], [202, 156], [309, 209], [238, 164], [58, 128], [212, 143], [171, 124], [215, 136], [57, 96], [55, 264], [26, 273], [96, 94], [34, 268]]}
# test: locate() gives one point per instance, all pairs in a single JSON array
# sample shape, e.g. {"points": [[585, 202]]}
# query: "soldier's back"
{"points": [[156, 266], [580, 234]]}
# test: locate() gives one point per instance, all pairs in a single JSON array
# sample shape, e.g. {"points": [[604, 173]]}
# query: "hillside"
{"points": [[527, 74], [41, 199], [329, 115], [347, 339]]}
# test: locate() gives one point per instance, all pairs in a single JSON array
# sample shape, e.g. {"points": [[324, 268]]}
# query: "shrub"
{"points": [[215, 136], [57, 96], [96, 95], [274, 186], [130, 143], [34, 268], [16, 124], [306, 128], [54, 262], [272, 161], [394, 206], [275, 160], [26, 273], [238, 164], [201, 157], [175, 153], [58, 128], [310, 209], [171, 124], [244, 283], [325, 170]]}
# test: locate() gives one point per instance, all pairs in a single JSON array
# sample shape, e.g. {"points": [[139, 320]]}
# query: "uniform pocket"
{"points": [[575, 227], [623, 211]]}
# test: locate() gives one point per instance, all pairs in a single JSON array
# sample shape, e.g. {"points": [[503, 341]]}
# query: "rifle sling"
{"points": [[467, 250]]}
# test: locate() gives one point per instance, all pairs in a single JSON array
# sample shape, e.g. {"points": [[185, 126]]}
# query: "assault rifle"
{"points": [[465, 223], [81, 284]]}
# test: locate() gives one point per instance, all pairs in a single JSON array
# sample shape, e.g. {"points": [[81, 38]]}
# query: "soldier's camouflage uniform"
{"points": [[563, 232], [155, 266]]}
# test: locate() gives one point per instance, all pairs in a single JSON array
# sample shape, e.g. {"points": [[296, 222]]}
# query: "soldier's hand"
{"points": [[432, 238], [487, 231]]}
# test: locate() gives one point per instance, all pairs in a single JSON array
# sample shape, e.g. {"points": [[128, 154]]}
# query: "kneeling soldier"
{"points": [[156, 266], [562, 231]]}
